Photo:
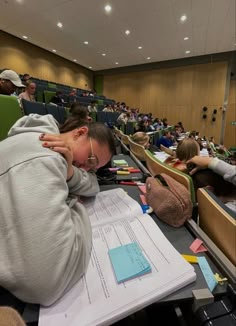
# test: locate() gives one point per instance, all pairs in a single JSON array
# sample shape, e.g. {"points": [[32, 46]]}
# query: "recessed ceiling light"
{"points": [[85, 42], [187, 52], [117, 63], [183, 18], [59, 24], [148, 58], [75, 60], [107, 8], [127, 32], [54, 50], [90, 67], [104, 54], [140, 47], [186, 38], [25, 37]]}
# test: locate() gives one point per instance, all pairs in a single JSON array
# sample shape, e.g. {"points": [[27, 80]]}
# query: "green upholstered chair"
{"points": [[48, 95], [10, 112]]}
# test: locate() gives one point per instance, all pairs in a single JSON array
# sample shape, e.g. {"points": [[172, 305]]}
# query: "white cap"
{"points": [[12, 76]]}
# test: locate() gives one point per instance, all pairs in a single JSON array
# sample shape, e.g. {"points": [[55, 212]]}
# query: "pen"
{"points": [[131, 183]]}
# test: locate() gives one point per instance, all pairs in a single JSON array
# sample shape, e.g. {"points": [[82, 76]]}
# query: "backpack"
{"points": [[169, 199]]}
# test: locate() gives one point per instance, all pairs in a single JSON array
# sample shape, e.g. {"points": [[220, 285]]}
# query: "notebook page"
{"points": [[111, 205], [98, 299]]}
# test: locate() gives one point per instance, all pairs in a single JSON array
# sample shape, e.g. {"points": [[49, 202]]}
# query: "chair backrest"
{"points": [[58, 112], [33, 107], [48, 96], [218, 223], [10, 112], [137, 150], [125, 139], [157, 167]]}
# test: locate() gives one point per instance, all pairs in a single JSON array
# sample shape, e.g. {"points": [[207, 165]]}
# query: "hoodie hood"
{"points": [[35, 123]]}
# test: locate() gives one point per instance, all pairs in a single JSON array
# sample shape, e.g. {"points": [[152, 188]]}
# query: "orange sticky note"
{"points": [[143, 189], [197, 246], [143, 199]]}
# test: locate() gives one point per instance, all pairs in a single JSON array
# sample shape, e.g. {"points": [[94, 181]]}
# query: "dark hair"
{"points": [[79, 111], [96, 130], [207, 177]]}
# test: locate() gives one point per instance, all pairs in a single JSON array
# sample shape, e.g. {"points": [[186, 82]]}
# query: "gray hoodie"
{"points": [[45, 233]]}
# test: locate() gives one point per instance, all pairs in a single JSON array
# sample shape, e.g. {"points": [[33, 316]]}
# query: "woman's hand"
{"points": [[201, 162], [56, 144]]}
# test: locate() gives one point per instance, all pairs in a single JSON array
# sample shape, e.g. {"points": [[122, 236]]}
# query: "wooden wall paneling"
{"points": [[230, 130], [24, 57], [176, 93]]}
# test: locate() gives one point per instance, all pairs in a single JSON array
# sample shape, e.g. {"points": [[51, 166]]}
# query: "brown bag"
{"points": [[169, 199]]}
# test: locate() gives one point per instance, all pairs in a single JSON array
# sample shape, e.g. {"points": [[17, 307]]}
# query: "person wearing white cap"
{"points": [[9, 82]]}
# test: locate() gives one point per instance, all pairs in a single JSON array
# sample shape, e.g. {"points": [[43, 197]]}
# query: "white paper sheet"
{"points": [[98, 300]]}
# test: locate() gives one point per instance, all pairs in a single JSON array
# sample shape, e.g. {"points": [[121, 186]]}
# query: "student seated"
{"points": [[57, 99], [186, 149], [80, 112], [227, 171], [166, 140], [45, 232], [141, 138], [29, 93], [224, 190]]}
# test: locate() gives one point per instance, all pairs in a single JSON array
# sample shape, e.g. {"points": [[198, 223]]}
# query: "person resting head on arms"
{"points": [[227, 171], [221, 188], [186, 149], [45, 232], [141, 138]]}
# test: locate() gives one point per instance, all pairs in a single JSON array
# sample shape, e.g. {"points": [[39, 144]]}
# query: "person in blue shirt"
{"points": [[166, 140]]}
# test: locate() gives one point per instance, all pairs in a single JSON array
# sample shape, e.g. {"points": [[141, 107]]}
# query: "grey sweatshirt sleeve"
{"points": [[83, 183], [47, 243], [227, 171]]}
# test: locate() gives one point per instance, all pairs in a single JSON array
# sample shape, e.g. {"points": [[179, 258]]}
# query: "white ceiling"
{"points": [[154, 24]]}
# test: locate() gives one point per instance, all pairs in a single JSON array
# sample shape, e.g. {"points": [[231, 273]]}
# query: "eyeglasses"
{"points": [[92, 161]]}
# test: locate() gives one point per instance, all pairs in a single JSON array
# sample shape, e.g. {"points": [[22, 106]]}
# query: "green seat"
{"points": [[10, 112], [48, 95], [93, 115]]}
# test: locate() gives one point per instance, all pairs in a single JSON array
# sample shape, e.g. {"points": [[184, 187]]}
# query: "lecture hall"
{"points": [[118, 163]]}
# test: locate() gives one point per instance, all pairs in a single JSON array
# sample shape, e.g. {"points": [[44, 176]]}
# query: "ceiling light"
{"points": [[59, 24], [117, 63], [234, 44], [127, 32], [187, 52], [107, 8], [90, 67], [183, 18], [54, 50], [25, 37], [140, 47], [186, 38], [85, 42], [75, 60], [148, 58], [104, 54]]}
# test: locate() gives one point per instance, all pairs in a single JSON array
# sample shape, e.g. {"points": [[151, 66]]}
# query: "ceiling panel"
{"points": [[154, 24]]}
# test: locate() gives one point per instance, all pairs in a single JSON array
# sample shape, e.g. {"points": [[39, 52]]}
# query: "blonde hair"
{"points": [[141, 138], [186, 149]]}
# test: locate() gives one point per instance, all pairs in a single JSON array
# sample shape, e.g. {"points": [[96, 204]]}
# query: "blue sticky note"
{"points": [[207, 273], [128, 262]]}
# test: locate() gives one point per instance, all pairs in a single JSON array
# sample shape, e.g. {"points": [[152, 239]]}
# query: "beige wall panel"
{"points": [[230, 130], [24, 57], [176, 93]]}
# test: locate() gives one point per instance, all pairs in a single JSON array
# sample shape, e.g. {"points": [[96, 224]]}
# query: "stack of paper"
{"points": [[128, 262], [98, 299]]}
